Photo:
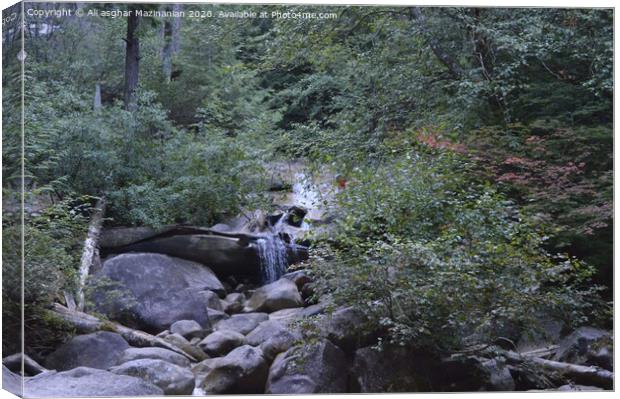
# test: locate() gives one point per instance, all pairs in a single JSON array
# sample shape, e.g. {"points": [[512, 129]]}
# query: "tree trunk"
{"points": [[90, 249], [172, 41], [455, 69], [97, 100], [586, 375], [132, 61]]}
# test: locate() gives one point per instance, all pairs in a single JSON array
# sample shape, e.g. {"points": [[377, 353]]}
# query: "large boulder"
{"points": [[242, 371], [14, 363], [348, 328], [153, 291], [264, 331], [315, 368], [85, 382], [280, 294], [98, 350], [242, 323], [221, 342], [472, 373], [588, 346], [225, 254], [154, 353], [273, 337], [172, 379]]}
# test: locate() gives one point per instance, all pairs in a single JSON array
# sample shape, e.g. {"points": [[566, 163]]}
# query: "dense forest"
{"points": [[467, 155]]}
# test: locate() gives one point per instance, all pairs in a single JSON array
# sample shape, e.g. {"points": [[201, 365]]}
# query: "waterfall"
{"points": [[272, 254]]}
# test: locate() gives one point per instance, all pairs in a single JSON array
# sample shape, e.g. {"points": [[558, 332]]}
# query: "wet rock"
{"points": [[154, 290], [172, 379], [242, 323], [280, 294], [154, 353], [242, 371], [85, 382], [316, 368], [188, 329], [98, 350], [221, 342]]}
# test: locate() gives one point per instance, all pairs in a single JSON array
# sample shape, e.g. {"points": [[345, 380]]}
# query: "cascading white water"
{"points": [[272, 254]]}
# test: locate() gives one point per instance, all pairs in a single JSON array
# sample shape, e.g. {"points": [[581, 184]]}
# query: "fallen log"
{"points": [[90, 249], [85, 323], [585, 375]]}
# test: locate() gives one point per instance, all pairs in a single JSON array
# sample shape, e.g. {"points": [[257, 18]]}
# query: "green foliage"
{"points": [[440, 261]]}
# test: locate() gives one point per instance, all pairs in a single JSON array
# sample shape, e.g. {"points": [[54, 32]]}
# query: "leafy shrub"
{"points": [[439, 260]]}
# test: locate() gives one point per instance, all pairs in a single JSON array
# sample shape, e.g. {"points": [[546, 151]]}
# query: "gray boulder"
{"points": [[348, 328], [154, 353], [234, 303], [98, 350], [212, 300], [221, 342], [215, 316], [188, 329], [588, 346], [280, 294], [242, 371], [273, 338], [242, 323], [172, 379], [317, 368], [264, 331], [14, 363], [288, 316], [85, 382], [157, 290], [472, 373], [299, 277], [225, 254], [203, 368]]}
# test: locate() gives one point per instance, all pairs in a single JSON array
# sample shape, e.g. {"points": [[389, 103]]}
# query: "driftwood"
{"points": [[586, 375], [85, 323], [90, 249]]}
